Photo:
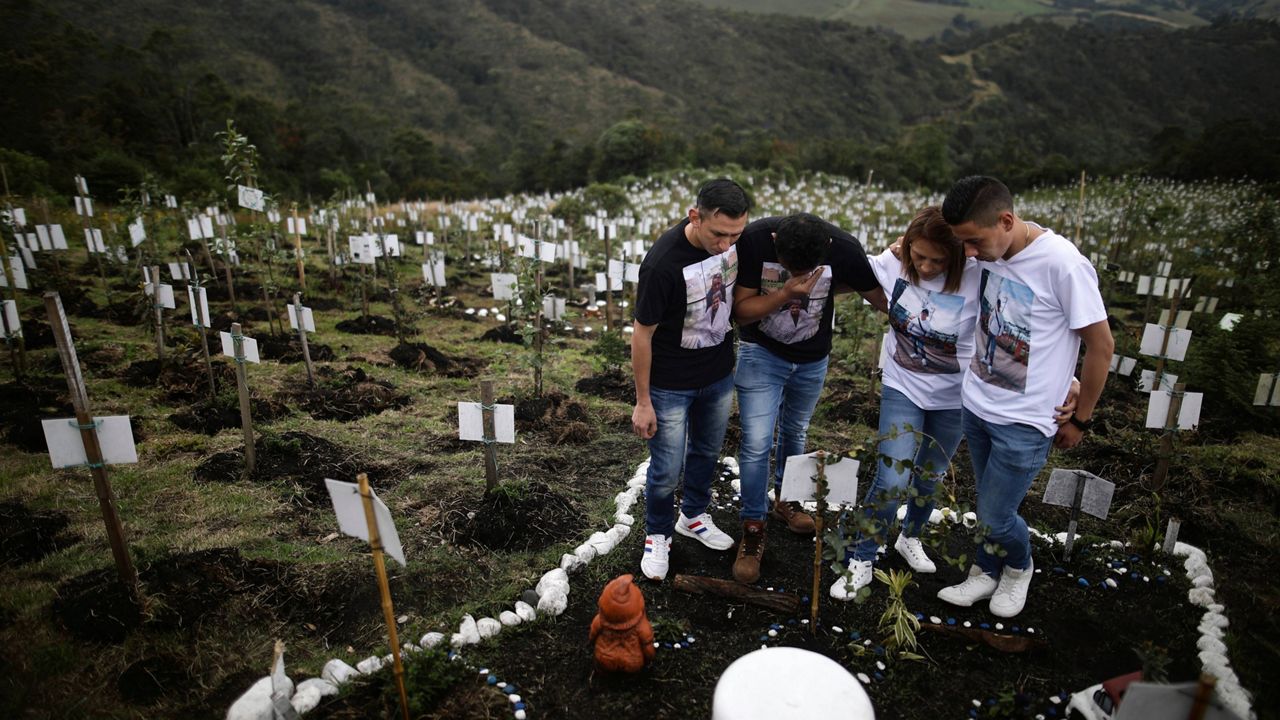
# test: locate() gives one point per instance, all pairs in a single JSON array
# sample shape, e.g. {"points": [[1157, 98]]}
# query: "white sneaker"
{"points": [[703, 529], [656, 558], [1011, 593], [978, 586], [912, 550], [846, 590]]}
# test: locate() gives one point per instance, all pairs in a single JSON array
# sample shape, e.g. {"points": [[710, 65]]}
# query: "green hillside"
{"points": [[460, 97]]}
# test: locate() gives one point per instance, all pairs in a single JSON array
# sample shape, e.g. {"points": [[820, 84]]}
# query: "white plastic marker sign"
{"points": [[13, 325], [1267, 386], [204, 305], [1153, 338], [179, 271], [1188, 414], [1147, 380], [553, 307], [137, 232], [471, 422], [842, 479], [165, 300], [249, 345], [308, 319], [251, 198], [433, 272], [19, 273], [299, 227], [504, 285], [66, 447], [1123, 365], [349, 508]]}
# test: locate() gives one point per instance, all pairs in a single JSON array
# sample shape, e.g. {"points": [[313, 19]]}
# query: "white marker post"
{"points": [[297, 228], [1172, 422], [197, 297], [487, 423], [154, 286], [242, 385], [377, 525], [303, 321], [86, 424], [11, 282], [12, 326]]}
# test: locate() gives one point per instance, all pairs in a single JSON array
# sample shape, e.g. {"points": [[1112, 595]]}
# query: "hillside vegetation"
{"points": [[464, 97]]}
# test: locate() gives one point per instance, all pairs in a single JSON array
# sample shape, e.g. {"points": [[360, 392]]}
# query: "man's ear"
{"points": [[694, 216], [1007, 220]]}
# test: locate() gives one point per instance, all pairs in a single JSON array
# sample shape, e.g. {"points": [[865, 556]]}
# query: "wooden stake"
{"points": [[608, 282], [1164, 342], [490, 437], [1166, 440], [242, 385], [297, 249], [817, 545], [773, 600], [226, 265], [202, 324], [569, 291], [1204, 693], [92, 451], [155, 303], [538, 329], [302, 338], [388, 613]]}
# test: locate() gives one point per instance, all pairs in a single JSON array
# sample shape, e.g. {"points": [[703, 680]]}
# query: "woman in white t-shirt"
{"points": [[932, 310]]}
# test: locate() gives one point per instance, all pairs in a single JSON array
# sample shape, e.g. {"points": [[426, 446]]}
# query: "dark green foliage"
{"points": [[428, 676], [609, 351]]}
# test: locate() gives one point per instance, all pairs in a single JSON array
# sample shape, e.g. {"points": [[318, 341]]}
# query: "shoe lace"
{"points": [[751, 541]]}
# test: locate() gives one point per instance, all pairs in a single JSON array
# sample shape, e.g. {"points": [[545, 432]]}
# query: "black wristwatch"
{"points": [[1083, 425]]}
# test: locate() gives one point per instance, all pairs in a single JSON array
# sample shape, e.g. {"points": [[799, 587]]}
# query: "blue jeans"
{"points": [[930, 454], [691, 425], [1006, 459], [772, 392]]}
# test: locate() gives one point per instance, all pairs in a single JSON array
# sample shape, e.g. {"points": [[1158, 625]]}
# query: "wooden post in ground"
{"points": [[155, 303], [490, 437], [93, 451], [20, 361], [242, 385], [297, 249], [333, 254], [202, 324], [226, 264], [608, 281], [388, 613], [1166, 439], [569, 247], [302, 338], [817, 545], [1168, 330], [538, 329]]}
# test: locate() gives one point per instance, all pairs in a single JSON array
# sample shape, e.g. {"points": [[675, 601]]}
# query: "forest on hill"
{"points": [[459, 98]]}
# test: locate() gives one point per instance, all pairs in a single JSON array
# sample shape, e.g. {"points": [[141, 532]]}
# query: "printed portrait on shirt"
{"points": [[1004, 332], [708, 289], [798, 320], [926, 326]]}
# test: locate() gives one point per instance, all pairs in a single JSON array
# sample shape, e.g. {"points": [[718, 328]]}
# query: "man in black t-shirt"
{"points": [[682, 358], [789, 271]]}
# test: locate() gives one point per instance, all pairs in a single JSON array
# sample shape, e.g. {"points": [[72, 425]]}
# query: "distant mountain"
{"points": [[463, 96]]}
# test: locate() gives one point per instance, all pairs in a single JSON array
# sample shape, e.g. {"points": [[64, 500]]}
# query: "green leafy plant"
{"points": [[897, 621], [428, 676]]}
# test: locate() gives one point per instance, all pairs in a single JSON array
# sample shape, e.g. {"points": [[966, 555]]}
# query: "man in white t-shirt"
{"points": [[1040, 295]]}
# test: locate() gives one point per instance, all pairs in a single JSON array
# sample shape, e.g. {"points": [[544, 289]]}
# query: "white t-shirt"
{"points": [[930, 333], [1043, 295]]}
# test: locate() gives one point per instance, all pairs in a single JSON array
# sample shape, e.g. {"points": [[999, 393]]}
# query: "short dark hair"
{"points": [[722, 195], [802, 241], [976, 198], [928, 224]]}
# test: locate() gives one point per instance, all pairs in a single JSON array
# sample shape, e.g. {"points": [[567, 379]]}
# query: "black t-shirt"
{"points": [[800, 332], [688, 294]]}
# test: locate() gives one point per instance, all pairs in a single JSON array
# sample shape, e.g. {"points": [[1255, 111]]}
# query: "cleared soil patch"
{"points": [[28, 535], [610, 385], [223, 411], [287, 349], [564, 420], [503, 334], [371, 325], [182, 378], [347, 395], [25, 404], [424, 358], [516, 516]]}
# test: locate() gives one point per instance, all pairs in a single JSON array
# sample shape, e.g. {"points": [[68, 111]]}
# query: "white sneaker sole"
{"points": [[689, 533], [961, 602]]}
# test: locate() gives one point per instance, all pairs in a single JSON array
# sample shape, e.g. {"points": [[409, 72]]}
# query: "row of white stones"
{"points": [[553, 598]]}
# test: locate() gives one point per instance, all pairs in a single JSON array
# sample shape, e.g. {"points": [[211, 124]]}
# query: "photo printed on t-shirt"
{"points": [[708, 287], [798, 320], [1004, 332], [926, 325]]}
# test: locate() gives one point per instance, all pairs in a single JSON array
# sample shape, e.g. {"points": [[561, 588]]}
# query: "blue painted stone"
{"points": [[1134, 575], [1058, 570], [973, 712], [804, 599], [518, 706], [854, 635], [1016, 628], [764, 638], [1082, 582], [1117, 564], [879, 651], [1053, 712], [991, 701], [985, 626], [878, 675], [951, 621], [492, 680], [510, 689], [666, 645], [792, 621], [1160, 579], [1134, 558]]}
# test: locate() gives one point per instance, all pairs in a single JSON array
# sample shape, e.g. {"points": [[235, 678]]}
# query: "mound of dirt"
{"points": [[503, 334], [348, 395], [223, 411], [24, 405], [371, 325], [515, 516], [27, 535], [148, 680], [287, 349], [424, 358], [183, 377], [298, 460], [564, 419], [610, 385], [96, 358]]}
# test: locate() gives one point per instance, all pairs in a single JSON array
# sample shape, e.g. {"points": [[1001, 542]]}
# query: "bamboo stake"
{"points": [[817, 546], [92, 450], [490, 437], [537, 259], [297, 249], [242, 385], [608, 282], [155, 303], [226, 265], [388, 613], [1166, 439], [302, 338], [202, 323]]}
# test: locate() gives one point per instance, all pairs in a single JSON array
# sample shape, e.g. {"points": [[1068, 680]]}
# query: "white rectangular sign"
{"points": [[19, 273], [504, 285], [349, 507], [296, 227], [308, 319], [842, 479], [1153, 338], [66, 448], [1188, 414], [471, 422], [166, 297], [13, 324], [433, 272], [1181, 321], [1123, 365], [251, 198], [1267, 385], [1148, 378], [553, 307], [248, 344], [179, 271], [204, 305], [58, 237], [137, 232]]}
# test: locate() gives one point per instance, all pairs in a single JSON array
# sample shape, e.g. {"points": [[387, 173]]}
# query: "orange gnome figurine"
{"points": [[621, 630]]}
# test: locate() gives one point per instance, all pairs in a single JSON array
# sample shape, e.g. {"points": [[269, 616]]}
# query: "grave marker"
{"points": [[816, 477], [235, 345], [487, 423], [304, 324], [1080, 491]]}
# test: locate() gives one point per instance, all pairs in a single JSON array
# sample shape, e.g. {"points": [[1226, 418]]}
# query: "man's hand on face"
{"points": [[799, 286]]}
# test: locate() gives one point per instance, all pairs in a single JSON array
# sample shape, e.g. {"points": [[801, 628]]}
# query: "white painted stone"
{"points": [[488, 627], [864, 679], [970, 519], [255, 703], [369, 665], [431, 639], [321, 686], [618, 532], [730, 464], [602, 542], [1212, 645], [338, 672], [584, 552], [623, 518], [1203, 581], [553, 602], [468, 633], [624, 500], [557, 579], [571, 564], [526, 611], [1200, 596], [508, 618], [305, 699]]}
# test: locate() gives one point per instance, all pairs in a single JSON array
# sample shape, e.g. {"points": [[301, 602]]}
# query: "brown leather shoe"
{"points": [[746, 569], [797, 520]]}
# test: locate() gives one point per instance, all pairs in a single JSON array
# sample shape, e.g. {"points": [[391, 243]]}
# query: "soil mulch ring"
{"points": [[372, 325], [565, 420], [287, 349], [211, 416], [347, 395], [28, 535], [27, 404], [515, 516], [182, 378], [506, 333], [424, 358], [842, 400], [612, 384], [98, 358], [300, 462]]}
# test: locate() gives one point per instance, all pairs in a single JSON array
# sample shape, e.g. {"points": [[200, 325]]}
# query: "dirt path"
{"points": [[983, 90]]}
